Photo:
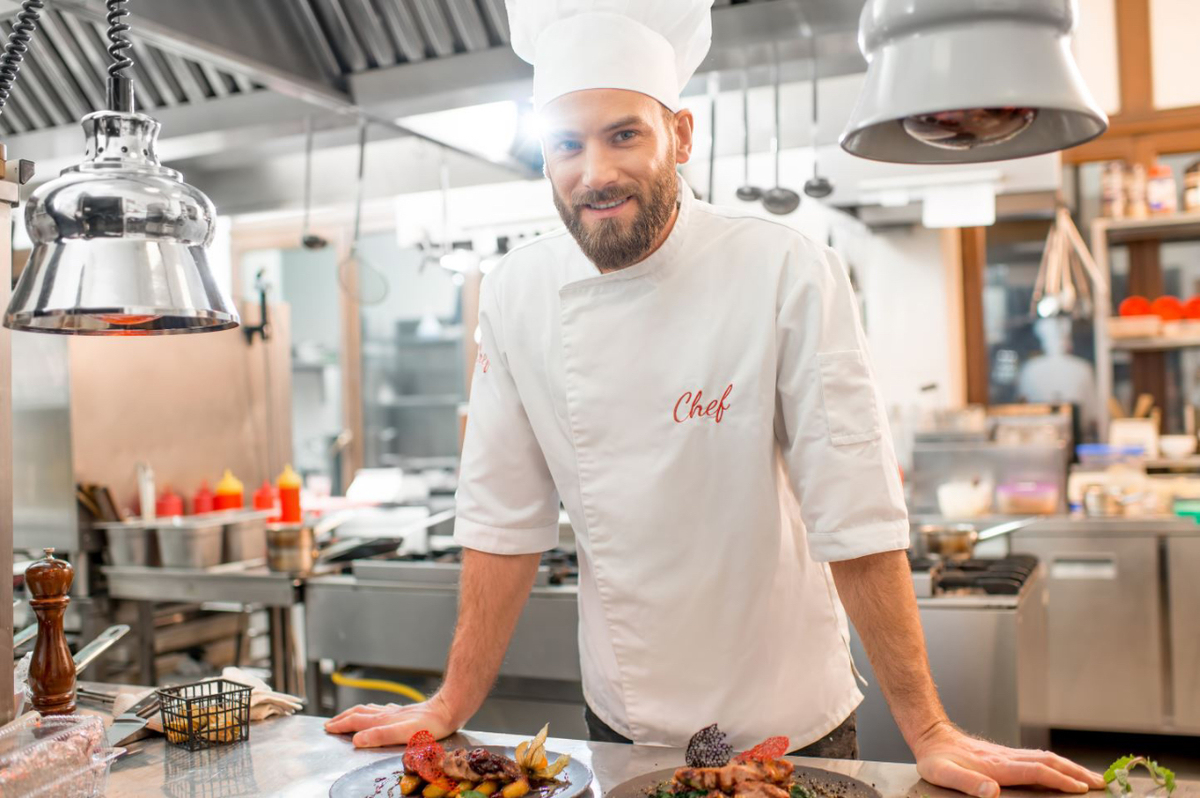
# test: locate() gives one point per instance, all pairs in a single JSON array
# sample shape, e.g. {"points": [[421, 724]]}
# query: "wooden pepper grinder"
{"points": [[52, 671]]}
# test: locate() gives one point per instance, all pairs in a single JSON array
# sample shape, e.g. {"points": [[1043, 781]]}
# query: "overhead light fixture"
{"points": [[966, 81], [119, 242]]}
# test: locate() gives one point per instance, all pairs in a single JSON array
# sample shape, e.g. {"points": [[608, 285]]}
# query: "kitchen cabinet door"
{"points": [[1098, 584]]}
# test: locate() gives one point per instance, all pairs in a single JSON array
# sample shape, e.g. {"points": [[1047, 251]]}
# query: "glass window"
{"points": [[306, 280], [1032, 359], [413, 355]]}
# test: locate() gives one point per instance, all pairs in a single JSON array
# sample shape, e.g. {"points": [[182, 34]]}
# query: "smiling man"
{"points": [[693, 384]]}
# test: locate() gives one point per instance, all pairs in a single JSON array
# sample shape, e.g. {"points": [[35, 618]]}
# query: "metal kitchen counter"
{"points": [[295, 757], [237, 583]]}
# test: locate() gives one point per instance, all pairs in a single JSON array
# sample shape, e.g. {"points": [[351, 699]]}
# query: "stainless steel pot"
{"points": [[949, 541]]}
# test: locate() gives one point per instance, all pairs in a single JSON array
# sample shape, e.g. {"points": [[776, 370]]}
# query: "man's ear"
{"points": [[685, 125]]}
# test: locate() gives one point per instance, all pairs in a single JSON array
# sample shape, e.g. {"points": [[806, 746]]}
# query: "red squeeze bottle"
{"points": [[289, 496], [168, 504], [264, 497], [204, 501], [229, 493]]}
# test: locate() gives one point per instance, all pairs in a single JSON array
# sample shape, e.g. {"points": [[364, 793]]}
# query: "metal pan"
{"points": [[366, 781], [823, 784]]}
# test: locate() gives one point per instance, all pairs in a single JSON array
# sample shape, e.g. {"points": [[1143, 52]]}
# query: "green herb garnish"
{"points": [[800, 791], [471, 794], [1119, 772]]}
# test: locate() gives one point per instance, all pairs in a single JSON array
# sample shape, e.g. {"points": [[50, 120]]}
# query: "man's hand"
{"points": [[393, 724], [492, 592], [949, 758]]}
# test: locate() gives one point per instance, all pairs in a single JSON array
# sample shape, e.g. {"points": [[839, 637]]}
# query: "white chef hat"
{"points": [[649, 46]]}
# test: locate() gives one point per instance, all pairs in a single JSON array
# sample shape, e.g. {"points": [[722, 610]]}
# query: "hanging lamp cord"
{"points": [[120, 86], [18, 44]]}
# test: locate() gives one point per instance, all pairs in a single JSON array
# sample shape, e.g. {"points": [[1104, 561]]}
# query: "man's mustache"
{"points": [[604, 196]]}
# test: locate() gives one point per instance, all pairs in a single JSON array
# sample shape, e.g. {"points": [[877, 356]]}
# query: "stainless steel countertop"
{"points": [[295, 757]]}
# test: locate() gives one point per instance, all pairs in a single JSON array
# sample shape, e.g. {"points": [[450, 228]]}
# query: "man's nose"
{"points": [[599, 169]]}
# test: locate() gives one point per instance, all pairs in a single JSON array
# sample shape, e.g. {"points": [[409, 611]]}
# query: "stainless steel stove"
{"points": [[985, 630], [1004, 576]]}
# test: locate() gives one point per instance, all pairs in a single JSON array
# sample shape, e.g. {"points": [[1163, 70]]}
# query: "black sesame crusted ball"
{"points": [[709, 748]]}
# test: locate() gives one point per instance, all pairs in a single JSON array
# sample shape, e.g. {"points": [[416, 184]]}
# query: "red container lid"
{"points": [[264, 497], [204, 500], [168, 504]]}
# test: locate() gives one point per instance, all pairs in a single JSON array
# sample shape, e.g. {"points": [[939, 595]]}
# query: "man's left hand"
{"points": [[949, 758]]}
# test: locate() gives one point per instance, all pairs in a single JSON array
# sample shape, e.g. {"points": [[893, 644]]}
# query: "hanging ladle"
{"points": [[358, 278], [747, 192], [779, 200], [309, 239], [817, 186]]}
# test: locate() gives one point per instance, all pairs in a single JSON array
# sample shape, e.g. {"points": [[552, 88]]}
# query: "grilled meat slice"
{"points": [[730, 778], [479, 765], [759, 789]]}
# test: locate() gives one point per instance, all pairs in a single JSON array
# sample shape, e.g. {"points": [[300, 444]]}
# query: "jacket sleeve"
{"points": [[506, 500], [833, 433]]}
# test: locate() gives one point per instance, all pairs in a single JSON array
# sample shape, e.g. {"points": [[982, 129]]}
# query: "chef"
{"points": [[693, 384]]}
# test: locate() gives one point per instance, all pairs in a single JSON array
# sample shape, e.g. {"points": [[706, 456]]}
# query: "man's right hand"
{"points": [[375, 725], [492, 592]]}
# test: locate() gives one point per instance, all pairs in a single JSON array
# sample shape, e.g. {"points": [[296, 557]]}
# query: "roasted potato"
{"points": [[409, 783], [462, 787], [518, 789], [434, 791], [487, 788]]}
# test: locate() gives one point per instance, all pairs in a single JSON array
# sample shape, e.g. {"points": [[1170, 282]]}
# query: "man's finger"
{"points": [[357, 710], [945, 773], [1063, 765], [357, 721], [389, 734], [1035, 773]]}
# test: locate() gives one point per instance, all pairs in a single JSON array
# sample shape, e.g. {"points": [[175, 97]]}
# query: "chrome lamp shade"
{"points": [[119, 243], [967, 81]]}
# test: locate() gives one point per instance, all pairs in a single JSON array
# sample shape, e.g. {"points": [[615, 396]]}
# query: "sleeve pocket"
{"points": [[849, 397]]}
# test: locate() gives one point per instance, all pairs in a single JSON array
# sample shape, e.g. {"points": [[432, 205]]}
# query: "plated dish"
{"points": [[713, 770], [428, 770]]}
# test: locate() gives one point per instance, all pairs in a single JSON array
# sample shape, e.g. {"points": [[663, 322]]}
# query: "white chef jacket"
{"points": [[709, 420]]}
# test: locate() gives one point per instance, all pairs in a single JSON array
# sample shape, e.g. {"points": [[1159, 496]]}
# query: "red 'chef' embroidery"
{"points": [[692, 405], [483, 361]]}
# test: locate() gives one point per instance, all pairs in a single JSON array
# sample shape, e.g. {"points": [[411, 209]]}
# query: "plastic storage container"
{"points": [[191, 542], [60, 756], [1027, 498], [1099, 456]]}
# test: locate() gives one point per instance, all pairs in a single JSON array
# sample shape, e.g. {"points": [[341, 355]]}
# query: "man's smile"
{"points": [[605, 210]]}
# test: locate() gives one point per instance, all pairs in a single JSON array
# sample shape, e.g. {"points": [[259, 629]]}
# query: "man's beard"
{"points": [[607, 243]]}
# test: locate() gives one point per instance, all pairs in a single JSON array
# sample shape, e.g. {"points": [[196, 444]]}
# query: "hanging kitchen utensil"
{"points": [[308, 239], [779, 200], [1066, 274], [747, 192], [816, 186], [364, 283]]}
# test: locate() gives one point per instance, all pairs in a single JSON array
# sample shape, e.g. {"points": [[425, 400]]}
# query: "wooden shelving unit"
{"points": [[1143, 237]]}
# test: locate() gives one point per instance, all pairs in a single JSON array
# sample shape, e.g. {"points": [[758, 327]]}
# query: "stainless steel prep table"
{"points": [[1136, 575], [278, 592], [295, 757]]}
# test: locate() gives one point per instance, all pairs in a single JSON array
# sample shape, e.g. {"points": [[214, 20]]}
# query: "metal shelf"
{"points": [[1156, 228], [1157, 344]]}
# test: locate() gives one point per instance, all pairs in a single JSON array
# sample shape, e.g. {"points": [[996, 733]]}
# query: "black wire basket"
{"points": [[206, 714]]}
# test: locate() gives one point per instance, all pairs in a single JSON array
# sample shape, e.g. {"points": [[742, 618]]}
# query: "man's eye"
{"points": [[626, 135], [567, 146]]}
